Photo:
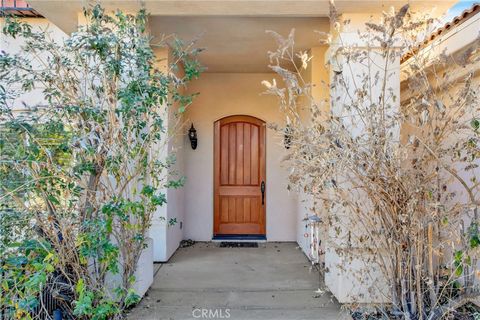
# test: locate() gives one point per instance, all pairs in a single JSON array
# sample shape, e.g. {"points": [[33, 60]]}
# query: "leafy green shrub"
{"points": [[84, 167]]}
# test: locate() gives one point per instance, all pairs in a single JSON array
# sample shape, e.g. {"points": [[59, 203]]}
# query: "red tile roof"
{"points": [[17, 8], [458, 20]]}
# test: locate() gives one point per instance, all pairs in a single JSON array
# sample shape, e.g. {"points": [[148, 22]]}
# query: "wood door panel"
{"points": [[254, 150], [224, 156], [233, 191], [244, 228], [247, 209], [232, 153], [239, 169], [239, 155], [239, 209], [247, 154]]}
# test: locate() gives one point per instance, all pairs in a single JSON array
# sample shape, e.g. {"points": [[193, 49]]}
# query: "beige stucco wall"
{"points": [[12, 46], [225, 94], [349, 278], [167, 236], [317, 74], [453, 43]]}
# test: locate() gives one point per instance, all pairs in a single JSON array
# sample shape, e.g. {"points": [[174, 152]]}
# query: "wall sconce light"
{"points": [[192, 135]]}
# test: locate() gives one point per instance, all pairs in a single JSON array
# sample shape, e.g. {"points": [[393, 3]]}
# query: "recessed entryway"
{"points": [[223, 95]]}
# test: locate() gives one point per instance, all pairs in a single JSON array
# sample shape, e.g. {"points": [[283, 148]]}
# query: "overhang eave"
{"points": [[64, 13]]}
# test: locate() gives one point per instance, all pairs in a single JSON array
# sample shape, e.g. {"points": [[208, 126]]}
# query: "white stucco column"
{"points": [[167, 224], [317, 75], [350, 279]]}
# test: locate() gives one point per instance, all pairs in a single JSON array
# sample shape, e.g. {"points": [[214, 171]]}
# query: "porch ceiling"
{"points": [[238, 44], [63, 13], [232, 31]]}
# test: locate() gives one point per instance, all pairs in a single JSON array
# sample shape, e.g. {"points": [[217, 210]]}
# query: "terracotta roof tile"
{"points": [[17, 8], [458, 20]]}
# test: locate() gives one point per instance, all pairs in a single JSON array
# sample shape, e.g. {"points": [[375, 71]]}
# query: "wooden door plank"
{"points": [[240, 228], [232, 161], [246, 191], [224, 209], [254, 155], [254, 210], [239, 209], [224, 155], [232, 215], [246, 209], [239, 153], [246, 154]]}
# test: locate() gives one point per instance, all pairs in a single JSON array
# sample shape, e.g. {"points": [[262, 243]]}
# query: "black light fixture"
{"points": [[192, 135]]}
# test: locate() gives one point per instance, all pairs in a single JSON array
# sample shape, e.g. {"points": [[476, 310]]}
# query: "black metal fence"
{"points": [[54, 302]]}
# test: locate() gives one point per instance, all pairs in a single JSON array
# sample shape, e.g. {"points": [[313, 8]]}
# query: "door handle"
{"points": [[262, 188]]}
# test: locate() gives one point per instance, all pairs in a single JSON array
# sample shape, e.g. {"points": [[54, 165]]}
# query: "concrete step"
{"points": [[245, 304], [249, 299], [184, 313]]}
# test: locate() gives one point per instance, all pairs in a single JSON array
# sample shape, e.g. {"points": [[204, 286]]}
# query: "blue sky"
{"points": [[458, 8]]}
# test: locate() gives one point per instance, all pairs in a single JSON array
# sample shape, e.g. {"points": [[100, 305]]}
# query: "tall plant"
{"points": [[397, 182], [83, 169]]}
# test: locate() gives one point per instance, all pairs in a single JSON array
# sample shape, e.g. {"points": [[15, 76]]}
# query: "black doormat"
{"points": [[238, 245], [243, 237]]}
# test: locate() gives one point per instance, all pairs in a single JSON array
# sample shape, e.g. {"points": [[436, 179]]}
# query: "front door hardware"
{"points": [[262, 188]]}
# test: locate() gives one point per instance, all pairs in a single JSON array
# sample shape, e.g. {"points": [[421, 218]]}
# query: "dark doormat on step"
{"points": [[238, 245]]}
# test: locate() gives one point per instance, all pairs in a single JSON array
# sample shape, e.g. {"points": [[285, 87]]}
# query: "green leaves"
{"points": [[458, 263], [92, 304], [132, 298], [14, 27], [95, 242], [84, 303], [148, 191], [156, 199], [176, 184], [25, 269], [475, 123], [474, 235], [460, 260], [159, 200]]}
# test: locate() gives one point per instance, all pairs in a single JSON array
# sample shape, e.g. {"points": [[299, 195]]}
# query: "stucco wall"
{"points": [[316, 74], [350, 279], [167, 236], [175, 197], [455, 42], [225, 94], [12, 46]]}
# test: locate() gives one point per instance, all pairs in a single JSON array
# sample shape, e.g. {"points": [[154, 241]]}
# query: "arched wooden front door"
{"points": [[239, 176]]}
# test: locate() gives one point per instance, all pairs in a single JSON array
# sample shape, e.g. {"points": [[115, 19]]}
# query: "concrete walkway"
{"points": [[205, 281]]}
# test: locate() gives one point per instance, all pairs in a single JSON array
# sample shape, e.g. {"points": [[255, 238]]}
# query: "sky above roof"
{"points": [[458, 8]]}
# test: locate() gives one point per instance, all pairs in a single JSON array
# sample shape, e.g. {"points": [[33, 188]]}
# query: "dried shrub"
{"points": [[394, 176]]}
